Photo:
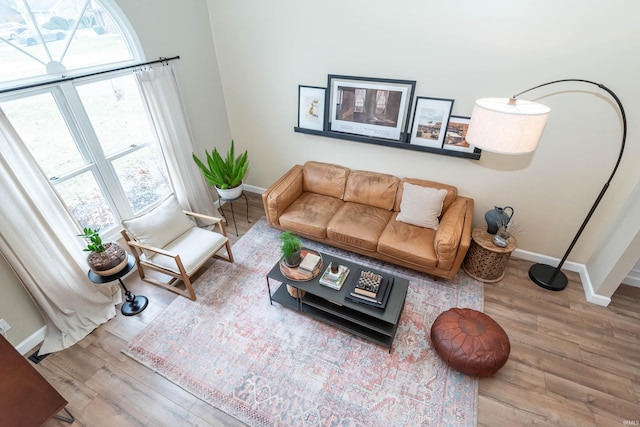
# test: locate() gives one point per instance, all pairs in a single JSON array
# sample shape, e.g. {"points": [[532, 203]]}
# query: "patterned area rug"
{"points": [[267, 365]]}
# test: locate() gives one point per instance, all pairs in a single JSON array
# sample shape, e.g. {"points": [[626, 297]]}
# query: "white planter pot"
{"points": [[230, 193]]}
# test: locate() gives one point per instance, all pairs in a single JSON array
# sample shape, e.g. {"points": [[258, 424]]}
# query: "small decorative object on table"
{"points": [[370, 288], [310, 262], [497, 217], [368, 284], [501, 239], [337, 279]]}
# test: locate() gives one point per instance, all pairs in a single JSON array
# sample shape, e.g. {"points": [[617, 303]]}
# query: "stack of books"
{"points": [[334, 280], [370, 288], [309, 263]]}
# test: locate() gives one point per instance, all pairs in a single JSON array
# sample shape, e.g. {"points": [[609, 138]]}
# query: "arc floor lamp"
{"points": [[514, 126]]}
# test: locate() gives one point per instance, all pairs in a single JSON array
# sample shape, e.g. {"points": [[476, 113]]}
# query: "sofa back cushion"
{"points": [[452, 192], [325, 178], [371, 188]]}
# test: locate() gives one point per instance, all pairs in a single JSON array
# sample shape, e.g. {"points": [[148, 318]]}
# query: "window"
{"points": [[359, 102], [381, 101], [44, 38], [91, 137]]}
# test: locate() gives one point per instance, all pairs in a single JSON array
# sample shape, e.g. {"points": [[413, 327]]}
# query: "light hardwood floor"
{"points": [[572, 363]]}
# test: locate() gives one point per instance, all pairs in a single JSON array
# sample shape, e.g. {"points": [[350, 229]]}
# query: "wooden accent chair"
{"points": [[167, 240]]}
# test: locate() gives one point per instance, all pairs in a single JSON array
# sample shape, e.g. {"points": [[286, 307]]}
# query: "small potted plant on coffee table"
{"points": [[291, 256], [291, 248]]}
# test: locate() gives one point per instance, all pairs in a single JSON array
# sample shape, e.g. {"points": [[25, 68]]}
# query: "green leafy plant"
{"points": [[290, 244], [224, 173], [94, 241]]}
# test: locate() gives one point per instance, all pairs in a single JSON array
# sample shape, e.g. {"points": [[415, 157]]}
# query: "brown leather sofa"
{"points": [[357, 211]]}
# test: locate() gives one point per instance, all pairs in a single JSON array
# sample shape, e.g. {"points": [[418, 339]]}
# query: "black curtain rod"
{"points": [[65, 79]]}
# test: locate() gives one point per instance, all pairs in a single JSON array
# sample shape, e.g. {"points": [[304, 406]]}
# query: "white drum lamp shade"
{"points": [[507, 125]]}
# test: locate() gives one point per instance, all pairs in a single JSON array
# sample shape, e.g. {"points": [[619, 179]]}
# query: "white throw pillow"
{"points": [[421, 206], [160, 226]]}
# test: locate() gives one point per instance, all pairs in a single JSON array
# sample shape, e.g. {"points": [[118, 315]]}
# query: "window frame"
{"points": [[63, 90]]}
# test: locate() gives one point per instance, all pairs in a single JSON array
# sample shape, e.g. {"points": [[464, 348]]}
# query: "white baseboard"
{"points": [[253, 189], [633, 278], [36, 338], [581, 269]]}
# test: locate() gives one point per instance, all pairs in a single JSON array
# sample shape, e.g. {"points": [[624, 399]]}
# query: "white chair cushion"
{"points": [[161, 225], [421, 206], [194, 247]]}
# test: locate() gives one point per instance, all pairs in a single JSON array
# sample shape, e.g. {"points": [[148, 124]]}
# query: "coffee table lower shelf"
{"points": [[342, 317]]}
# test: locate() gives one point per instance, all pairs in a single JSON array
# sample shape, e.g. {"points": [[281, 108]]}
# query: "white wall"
{"points": [[16, 307], [456, 49], [619, 251]]}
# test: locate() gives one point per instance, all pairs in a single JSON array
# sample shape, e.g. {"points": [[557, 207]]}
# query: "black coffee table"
{"points": [[332, 307]]}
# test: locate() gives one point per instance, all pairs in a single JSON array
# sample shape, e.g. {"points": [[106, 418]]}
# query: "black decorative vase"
{"points": [[497, 217]]}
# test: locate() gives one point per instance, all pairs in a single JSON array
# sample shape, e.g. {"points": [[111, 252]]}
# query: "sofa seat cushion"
{"points": [[310, 214], [358, 225], [408, 243]]}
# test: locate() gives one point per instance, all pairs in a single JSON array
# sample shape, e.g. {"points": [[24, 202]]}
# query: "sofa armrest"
{"points": [[453, 237], [277, 198]]}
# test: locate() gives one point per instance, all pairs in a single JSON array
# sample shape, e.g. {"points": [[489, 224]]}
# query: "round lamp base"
{"points": [[543, 276]]}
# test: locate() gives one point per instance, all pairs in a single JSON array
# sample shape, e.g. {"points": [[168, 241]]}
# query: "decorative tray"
{"points": [[296, 273]]}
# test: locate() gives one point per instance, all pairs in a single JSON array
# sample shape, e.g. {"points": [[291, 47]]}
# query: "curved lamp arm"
{"points": [[544, 275]]}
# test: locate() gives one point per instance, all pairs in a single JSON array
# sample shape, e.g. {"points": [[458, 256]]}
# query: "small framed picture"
{"points": [[430, 121], [456, 136], [311, 107]]}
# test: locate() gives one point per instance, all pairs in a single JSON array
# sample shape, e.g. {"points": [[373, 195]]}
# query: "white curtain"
{"points": [[39, 240], [160, 89]]}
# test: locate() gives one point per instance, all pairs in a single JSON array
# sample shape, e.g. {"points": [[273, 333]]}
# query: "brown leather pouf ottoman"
{"points": [[470, 341]]}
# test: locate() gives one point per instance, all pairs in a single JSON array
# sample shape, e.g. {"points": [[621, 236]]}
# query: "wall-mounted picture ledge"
{"points": [[378, 111]]}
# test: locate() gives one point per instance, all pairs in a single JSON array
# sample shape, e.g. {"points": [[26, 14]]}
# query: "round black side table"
{"points": [[133, 304]]}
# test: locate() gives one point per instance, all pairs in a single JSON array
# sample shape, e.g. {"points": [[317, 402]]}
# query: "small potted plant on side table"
{"points": [[104, 259]]}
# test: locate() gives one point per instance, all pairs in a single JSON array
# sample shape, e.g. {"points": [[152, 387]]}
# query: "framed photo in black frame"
{"points": [[311, 102], [455, 137], [371, 107], [430, 121]]}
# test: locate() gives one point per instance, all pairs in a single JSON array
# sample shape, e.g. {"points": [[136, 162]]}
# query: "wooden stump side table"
{"points": [[485, 261]]}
